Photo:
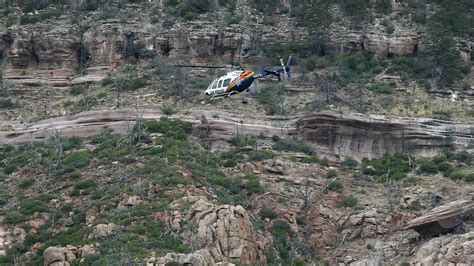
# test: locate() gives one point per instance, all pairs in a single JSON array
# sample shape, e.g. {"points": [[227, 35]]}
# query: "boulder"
{"points": [[221, 233], [102, 230], [446, 250], [53, 255], [443, 218]]}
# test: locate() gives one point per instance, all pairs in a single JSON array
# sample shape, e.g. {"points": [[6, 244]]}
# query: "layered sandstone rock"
{"points": [[372, 136], [443, 218]]}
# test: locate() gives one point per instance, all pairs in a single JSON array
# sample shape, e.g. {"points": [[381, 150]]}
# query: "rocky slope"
{"points": [[96, 175], [356, 135]]}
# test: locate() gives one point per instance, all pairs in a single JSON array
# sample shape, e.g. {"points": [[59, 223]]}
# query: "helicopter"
{"points": [[236, 82]]}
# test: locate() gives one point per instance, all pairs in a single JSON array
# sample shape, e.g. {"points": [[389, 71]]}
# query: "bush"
{"points": [[77, 90], [6, 103], [253, 185], [168, 110], [267, 213], [291, 145], [175, 128], [29, 19], [28, 207], [261, 155], [463, 156], [78, 159], [349, 201], [349, 163], [13, 217], [384, 88], [383, 6], [335, 186], [70, 143], [86, 184], [457, 175], [428, 168], [331, 173], [26, 182], [412, 181], [230, 163], [395, 165], [469, 177]]}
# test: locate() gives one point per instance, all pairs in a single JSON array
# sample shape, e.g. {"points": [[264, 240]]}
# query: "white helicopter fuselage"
{"points": [[221, 85]]}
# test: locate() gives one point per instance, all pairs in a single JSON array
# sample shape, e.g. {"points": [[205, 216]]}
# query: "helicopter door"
{"points": [[226, 83]]}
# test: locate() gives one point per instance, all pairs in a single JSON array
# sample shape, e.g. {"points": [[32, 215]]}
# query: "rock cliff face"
{"points": [[373, 136], [356, 135], [39, 55]]}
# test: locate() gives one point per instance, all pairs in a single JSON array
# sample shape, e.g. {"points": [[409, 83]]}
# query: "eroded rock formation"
{"points": [[373, 136], [443, 219], [219, 233]]}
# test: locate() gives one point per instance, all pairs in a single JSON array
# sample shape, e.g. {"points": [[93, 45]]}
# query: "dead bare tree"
{"points": [[56, 136], [326, 93], [307, 193]]}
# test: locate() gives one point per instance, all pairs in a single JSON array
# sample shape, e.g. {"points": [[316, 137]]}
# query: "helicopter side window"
{"points": [[226, 82], [214, 85], [220, 83]]}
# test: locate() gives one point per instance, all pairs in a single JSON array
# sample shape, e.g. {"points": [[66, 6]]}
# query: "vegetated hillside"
{"points": [[165, 191]]}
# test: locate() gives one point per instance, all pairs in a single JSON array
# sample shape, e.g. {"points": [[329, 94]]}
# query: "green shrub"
{"points": [[291, 145], [457, 175], [267, 213], [29, 19], [396, 166], [428, 168], [86, 184], [67, 207], [469, 177], [75, 175], [349, 163], [331, 173], [6, 103], [168, 110], [261, 155], [253, 184], [335, 186], [13, 217], [11, 20], [349, 201], [229, 163], [10, 168], [445, 167], [384, 88], [102, 95], [324, 162], [70, 143], [412, 181], [383, 6], [26, 182], [77, 90], [28, 207], [463, 156], [170, 128], [138, 83], [79, 159]]}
